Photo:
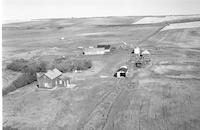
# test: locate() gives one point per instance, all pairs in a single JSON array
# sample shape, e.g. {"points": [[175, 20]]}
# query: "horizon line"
{"points": [[11, 21]]}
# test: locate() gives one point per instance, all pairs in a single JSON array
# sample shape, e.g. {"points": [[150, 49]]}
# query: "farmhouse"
{"points": [[94, 51], [121, 72], [52, 78], [106, 47]]}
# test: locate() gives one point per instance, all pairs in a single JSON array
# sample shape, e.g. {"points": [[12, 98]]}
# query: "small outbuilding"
{"points": [[94, 51], [137, 51], [106, 47], [145, 52], [52, 78], [121, 72], [146, 55]]}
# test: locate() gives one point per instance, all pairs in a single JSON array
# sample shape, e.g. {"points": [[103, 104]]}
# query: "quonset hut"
{"points": [[121, 72]]}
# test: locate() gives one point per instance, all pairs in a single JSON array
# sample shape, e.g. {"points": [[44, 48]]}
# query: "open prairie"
{"points": [[165, 95]]}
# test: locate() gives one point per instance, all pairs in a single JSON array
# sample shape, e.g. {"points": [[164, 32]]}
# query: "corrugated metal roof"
{"points": [[52, 74]]}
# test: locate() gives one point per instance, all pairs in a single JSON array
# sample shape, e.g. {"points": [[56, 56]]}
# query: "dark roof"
{"points": [[104, 46], [122, 69]]}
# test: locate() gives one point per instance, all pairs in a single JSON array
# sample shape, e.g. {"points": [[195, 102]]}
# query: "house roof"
{"points": [[93, 49], [104, 46], [52, 74], [146, 52], [122, 69]]}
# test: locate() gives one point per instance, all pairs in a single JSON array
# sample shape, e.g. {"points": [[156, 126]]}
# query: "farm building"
{"points": [[146, 56], [145, 52], [52, 78], [121, 72], [137, 51], [106, 47], [140, 58], [94, 51]]}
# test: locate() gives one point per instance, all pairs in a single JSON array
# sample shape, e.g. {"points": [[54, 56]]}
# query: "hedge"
{"points": [[24, 79], [30, 68]]}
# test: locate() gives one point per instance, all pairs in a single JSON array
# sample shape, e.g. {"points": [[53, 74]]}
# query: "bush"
{"points": [[24, 79], [68, 65], [30, 68], [17, 65], [9, 128], [21, 65]]}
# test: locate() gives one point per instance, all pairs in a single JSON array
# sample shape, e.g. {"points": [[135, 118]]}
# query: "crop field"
{"points": [[164, 95], [182, 25]]}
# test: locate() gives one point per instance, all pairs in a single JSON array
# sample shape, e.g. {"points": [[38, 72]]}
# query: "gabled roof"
{"points": [[146, 52], [52, 74], [104, 46]]}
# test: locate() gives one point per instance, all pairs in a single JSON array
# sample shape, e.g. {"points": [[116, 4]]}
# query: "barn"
{"points": [[146, 55], [121, 72], [52, 78], [94, 51], [106, 47]]}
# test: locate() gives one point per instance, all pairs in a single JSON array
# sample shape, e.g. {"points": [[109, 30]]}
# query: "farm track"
{"points": [[102, 115], [148, 37]]}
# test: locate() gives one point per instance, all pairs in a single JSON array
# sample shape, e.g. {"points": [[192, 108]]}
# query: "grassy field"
{"points": [[165, 95]]}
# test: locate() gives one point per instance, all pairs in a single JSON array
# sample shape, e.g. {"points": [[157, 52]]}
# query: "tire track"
{"points": [[100, 114]]}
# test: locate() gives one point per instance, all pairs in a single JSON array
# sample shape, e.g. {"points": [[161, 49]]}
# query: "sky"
{"points": [[36, 9]]}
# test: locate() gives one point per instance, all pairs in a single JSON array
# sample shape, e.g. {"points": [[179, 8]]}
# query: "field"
{"points": [[165, 95]]}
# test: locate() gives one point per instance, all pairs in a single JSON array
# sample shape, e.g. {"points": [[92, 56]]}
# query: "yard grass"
{"points": [[149, 100]]}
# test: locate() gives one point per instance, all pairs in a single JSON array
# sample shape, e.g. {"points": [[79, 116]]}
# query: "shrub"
{"points": [[9, 128], [21, 65], [17, 65], [68, 65], [8, 89], [24, 79], [29, 69]]}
